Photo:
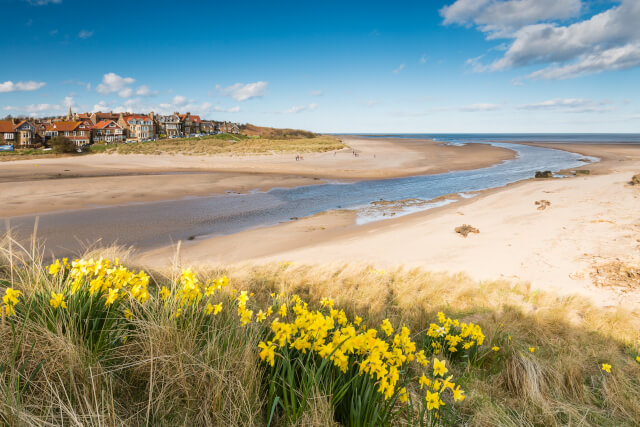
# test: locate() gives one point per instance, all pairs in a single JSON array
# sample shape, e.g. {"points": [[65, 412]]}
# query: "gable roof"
{"points": [[135, 116], [6, 126], [196, 119], [65, 126], [22, 123], [104, 123]]}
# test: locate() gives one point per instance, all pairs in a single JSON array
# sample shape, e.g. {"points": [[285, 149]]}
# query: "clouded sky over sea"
{"points": [[332, 66]]}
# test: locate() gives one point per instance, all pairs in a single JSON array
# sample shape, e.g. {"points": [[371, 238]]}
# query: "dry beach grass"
{"points": [[231, 145], [541, 362]]}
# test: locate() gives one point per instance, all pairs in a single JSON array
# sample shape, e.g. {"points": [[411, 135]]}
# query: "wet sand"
{"points": [[71, 183], [592, 221]]}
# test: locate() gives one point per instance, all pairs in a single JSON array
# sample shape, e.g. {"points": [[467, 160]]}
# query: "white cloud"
{"points": [[242, 92], [85, 34], [400, 68], [179, 100], [33, 108], [127, 92], [618, 58], [113, 83], [571, 105], [144, 90], [101, 106], [609, 40], [316, 93], [235, 109], [502, 17], [53, 32], [481, 107], [10, 86], [423, 59], [68, 102], [300, 108]]}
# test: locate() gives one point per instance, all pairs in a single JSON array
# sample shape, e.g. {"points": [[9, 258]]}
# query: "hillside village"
{"points": [[108, 128]]}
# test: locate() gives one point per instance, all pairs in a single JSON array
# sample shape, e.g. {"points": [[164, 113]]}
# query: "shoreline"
{"points": [[553, 249], [41, 186]]}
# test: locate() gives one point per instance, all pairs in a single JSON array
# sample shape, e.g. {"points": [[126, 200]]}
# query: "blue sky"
{"points": [[332, 66]]}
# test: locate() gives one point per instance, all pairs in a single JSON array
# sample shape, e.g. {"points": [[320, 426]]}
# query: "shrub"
{"points": [[60, 144], [98, 148], [635, 180]]}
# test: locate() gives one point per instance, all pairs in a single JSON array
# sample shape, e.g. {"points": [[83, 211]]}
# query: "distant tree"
{"points": [[60, 144]]}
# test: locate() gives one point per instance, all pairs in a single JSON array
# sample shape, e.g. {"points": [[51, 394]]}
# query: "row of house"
{"points": [[99, 127]]}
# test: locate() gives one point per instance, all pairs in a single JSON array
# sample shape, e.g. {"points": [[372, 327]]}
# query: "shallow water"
{"points": [[146, 225]]}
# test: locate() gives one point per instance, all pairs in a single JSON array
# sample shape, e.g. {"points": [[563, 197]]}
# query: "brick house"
{"points": [[209, 126], [7, 133], [26, 136], [228, 127], [169, 125], [77, 131], [190, 124], [107, 131], [138, 126], [99, 116]]}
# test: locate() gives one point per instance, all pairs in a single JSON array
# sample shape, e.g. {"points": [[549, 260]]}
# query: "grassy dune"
{"points": [[225, 144], [541, 362], [26, 154]]}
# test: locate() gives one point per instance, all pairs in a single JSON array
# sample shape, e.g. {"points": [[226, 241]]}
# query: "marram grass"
{"points": [[96, 342]]}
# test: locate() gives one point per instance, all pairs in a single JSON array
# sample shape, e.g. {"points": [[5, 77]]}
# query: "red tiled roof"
{"points": [[135, 116], [65, 126], [101, 115], [196, 119], [6, 126], [104, 123]]}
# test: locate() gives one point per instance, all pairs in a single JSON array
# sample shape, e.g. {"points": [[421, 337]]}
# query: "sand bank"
{"points": [[68, 183], [584, 242]]}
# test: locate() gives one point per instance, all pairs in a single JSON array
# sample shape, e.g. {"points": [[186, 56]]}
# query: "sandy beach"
{"points": [[587, 236], [67, 183], [586, 241]]}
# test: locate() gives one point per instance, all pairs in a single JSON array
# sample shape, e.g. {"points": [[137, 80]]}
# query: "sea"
{"points": [[560, 138]]}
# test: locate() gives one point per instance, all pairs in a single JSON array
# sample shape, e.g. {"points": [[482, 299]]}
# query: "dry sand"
{"points": [[66, 183], [587, 241]]}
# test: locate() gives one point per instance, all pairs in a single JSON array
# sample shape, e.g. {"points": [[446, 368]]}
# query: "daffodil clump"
{"points": [[374, 376], [108, 280], [402, 379], [10, 299], [454, 338]]}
